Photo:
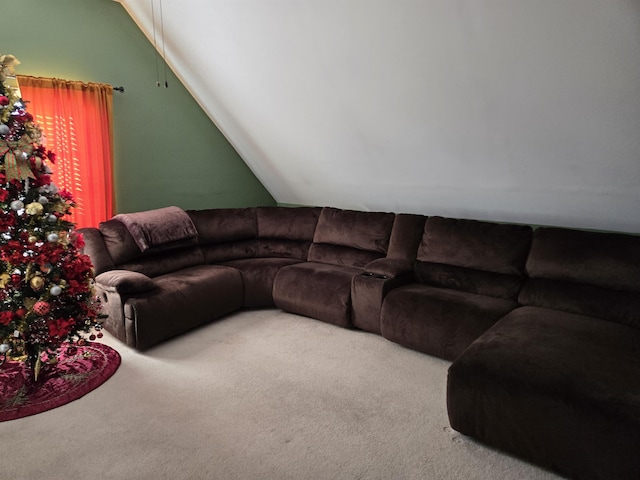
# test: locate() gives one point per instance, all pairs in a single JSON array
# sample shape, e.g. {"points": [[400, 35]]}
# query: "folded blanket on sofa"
{"points": [[158, 228]]}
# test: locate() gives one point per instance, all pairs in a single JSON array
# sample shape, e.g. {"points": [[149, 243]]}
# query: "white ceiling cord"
{"points": [[155, 46]]}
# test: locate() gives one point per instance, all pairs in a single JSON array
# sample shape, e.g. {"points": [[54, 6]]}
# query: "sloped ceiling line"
{"points": [[509, 111]]}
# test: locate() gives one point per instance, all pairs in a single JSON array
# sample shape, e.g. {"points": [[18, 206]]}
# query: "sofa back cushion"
{"points": [[590, 273], [405, 236], [350, 238], [118, 241], [226, 234], [286, 232], [477, 257], [96, 249], [221, 225], [126, 255]]}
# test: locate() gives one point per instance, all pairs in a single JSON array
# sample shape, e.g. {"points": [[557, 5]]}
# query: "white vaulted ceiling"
{"points": [[509, 110]]}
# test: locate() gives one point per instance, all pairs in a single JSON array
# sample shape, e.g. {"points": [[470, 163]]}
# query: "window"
{"points": [[75, 119]]}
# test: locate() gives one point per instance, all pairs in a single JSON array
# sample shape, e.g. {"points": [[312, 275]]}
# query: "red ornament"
{"points": [[21, 312], [42, 308]]}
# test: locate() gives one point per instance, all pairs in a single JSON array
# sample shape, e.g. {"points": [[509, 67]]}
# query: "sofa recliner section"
{"points": [[344, 242], [467, 276], [180, 302]]}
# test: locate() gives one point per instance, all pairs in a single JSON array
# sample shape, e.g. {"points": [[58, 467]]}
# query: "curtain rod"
{"points": [[119, 89]]}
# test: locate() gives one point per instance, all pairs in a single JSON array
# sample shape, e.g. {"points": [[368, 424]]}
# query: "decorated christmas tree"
{"points": [[47, 298]]}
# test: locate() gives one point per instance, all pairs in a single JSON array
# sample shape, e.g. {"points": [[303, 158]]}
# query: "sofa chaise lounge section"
{"points": [[557, 381]]}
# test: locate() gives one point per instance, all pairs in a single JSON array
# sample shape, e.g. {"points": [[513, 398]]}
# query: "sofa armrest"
{"points": [[370, 287], [125, 281], [385, 268]]}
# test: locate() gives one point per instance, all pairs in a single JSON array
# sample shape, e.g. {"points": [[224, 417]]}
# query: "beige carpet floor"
{"points": [[258, 395]]}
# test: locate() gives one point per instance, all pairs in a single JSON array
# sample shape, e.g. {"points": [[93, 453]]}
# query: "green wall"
{"points": [[167, 151]]}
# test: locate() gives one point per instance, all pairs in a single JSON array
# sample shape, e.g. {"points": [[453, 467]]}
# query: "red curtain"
{"points": [[75, 119]]}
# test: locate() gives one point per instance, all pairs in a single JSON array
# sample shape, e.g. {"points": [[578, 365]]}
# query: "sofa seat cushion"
{"points": [[181, 301], [317, 290], [556, 388], [439, 321], [257, 277]]}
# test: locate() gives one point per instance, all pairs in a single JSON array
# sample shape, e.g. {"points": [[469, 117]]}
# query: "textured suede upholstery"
{"points": [[543, 327], [97, 250], [317, 290], [345, 241], [160, 264], [555, 388], [181, 302], [257, 242], [381, 275], [288, 223], [405, 236], [607, 260], [163, 228], [222, 225], [126, 255], [226, 233], [484, 246], [349, 228], [286, 233], [439, 321], [282, 236], [467, 276], [556, 381], [476, 257], [257, 278], [589, 273], [118, 242], [125, 281]]}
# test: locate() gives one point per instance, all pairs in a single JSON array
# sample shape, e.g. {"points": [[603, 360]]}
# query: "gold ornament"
{"points": [[32, 239], [37, 283], [34, 208], [5, 278]]}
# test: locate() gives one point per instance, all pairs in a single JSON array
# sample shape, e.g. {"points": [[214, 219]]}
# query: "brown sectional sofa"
{"points": [[542, 327]]}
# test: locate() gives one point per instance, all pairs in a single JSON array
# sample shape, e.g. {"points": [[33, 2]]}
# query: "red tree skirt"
{"points": [[75, 374]]}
